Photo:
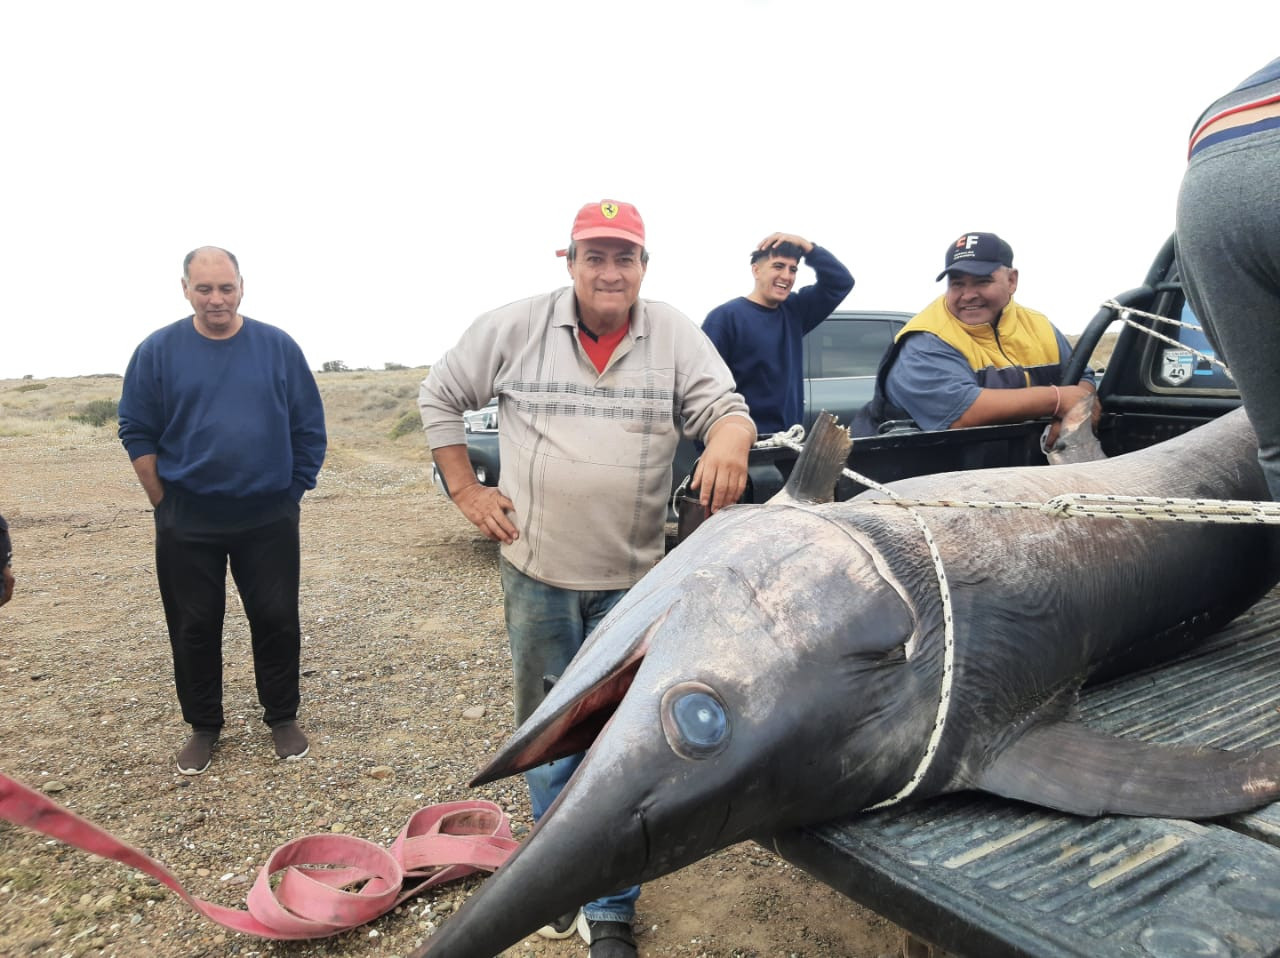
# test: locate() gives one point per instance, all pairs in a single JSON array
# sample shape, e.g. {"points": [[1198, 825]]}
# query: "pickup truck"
{"points": [[840, 360], [975, 875]]}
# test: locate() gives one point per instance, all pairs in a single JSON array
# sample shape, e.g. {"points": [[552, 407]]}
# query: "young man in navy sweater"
{"points": [[760, 335], [223, 423]]}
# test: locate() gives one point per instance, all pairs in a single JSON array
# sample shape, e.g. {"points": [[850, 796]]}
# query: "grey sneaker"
{"points": [[290, 743], [196, 755], [562, 927], [608, 939]]}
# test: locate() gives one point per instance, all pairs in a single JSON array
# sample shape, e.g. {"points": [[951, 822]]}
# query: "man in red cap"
{"points": [[586, 379], [973, 356]]}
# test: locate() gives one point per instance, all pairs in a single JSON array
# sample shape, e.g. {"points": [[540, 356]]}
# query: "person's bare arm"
{"points": [[1016, 405], [721, 474], [152, 484], [483, 505]]}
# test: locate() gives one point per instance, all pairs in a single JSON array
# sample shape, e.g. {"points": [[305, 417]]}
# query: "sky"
{"points": [[388, 171]]}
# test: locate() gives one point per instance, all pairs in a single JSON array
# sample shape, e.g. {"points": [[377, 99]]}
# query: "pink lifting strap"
{"points": [[328, 883]]}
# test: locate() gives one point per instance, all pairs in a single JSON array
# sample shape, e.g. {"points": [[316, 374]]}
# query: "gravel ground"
{"points": [[405, 689]]}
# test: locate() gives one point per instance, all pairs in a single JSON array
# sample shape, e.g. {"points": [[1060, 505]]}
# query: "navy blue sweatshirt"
{"points": [[237, 418]]}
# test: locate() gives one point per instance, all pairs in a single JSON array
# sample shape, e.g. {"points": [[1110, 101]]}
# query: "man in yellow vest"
{"points": [[974, 357]]}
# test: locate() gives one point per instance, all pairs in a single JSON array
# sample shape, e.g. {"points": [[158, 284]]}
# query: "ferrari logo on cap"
{"points": [[610, 210]]}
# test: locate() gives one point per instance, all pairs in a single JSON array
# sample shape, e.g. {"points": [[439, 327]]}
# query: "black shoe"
{"points": [[289, 741], [608, 939], [196, 755], [562, 927]]}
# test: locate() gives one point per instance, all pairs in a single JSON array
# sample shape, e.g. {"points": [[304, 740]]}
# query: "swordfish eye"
{"points": [[694, 720]]}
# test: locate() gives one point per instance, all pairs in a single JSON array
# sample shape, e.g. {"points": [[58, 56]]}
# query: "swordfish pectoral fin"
{"points": [[1066, 766]]}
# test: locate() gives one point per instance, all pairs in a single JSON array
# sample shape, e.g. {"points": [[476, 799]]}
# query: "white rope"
{"points": [[783, 439], [1131, 310], [1088, 505], [1125, 312], [948, 636], [788, 439]]}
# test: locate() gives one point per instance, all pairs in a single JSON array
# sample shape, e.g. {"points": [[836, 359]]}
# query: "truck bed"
{"points": [[986, 877]]}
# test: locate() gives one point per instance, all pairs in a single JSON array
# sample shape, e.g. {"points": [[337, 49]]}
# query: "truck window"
{"points": [[1170, 370], [848, 348], [1204, 374]]}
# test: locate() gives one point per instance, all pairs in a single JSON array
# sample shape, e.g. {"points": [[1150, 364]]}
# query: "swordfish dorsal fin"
{"points": [[1066, 766], [813, 479]]}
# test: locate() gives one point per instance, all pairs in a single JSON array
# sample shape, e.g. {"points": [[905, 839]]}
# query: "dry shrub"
{"points": [[97, 412]]}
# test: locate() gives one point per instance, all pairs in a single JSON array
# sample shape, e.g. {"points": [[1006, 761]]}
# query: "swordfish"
{"points": [[795, 662]]}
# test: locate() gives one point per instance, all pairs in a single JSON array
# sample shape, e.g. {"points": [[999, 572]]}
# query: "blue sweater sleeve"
{"points": [[141, 408], [306, 418], [815, 303]]}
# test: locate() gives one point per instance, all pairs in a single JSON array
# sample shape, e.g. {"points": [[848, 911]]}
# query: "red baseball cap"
{"points": [[610, 218]]}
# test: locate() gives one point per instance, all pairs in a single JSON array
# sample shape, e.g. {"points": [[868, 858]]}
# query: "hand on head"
{"points": [[773, 239]]}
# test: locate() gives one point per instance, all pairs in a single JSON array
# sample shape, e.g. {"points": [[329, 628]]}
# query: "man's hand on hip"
{"points": [[485, 506], [487, 509]]}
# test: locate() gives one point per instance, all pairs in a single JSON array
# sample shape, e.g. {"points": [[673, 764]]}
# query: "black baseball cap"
{"points": [[978, 254]]}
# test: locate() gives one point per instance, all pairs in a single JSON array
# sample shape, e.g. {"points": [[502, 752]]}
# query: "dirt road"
{"points": [[403, 634]]}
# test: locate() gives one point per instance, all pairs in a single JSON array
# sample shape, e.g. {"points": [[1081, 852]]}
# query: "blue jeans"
{"points": [[546, 625]]}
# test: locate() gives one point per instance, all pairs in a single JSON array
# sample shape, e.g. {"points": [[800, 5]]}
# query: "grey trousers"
{"points": [[1228, 240]]}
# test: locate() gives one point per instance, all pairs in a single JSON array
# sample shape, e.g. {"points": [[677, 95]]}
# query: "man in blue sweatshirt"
{"points": [[760, 335], [222, 419]]}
